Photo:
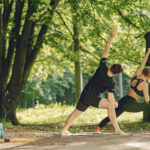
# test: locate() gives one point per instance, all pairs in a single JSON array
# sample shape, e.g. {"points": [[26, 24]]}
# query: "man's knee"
{"points": [[77, 112]]}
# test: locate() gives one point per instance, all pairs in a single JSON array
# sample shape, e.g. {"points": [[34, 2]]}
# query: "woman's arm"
{"points": [[106, 50], [145, 92], [140, 69]]}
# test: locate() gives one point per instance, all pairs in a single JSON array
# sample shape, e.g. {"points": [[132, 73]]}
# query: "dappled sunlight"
{"points": [[57, 114], [130, 117], [139, 145]]}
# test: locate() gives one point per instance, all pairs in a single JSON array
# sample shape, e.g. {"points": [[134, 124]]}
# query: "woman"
{"points": [[139, 87]]}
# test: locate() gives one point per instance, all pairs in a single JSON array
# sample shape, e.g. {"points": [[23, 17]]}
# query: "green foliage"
{"points": [[55, 88], [61, 89], [96, 18], [6, 123]]}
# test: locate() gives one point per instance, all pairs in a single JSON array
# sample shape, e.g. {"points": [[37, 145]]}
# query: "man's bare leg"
{"points": [[70, 120], [112, 114]]}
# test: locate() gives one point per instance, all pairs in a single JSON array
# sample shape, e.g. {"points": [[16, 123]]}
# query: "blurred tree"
{"points": [[23, 26], [76, 43], [60, 89]]}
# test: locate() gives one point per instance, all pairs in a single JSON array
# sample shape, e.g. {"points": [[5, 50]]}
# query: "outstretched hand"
{"points": [[113, 32]]}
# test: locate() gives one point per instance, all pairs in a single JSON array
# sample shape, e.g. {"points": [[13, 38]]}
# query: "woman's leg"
{"points": [[125, 104], [134, 106], [111, 113], [118, 111]]}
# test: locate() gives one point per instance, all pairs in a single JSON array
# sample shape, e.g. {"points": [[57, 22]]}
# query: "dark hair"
{"points": [[116, 68], [146, 72]]}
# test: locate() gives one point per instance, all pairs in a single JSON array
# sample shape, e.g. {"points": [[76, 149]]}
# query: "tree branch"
{"points": [[5, 23], [21, 51], [31, 37], [127, 20], [117, 52], [9, 10], [85, 51], [14, 36], [5, 11], [1, 37], [64, 23], [40, 39]]}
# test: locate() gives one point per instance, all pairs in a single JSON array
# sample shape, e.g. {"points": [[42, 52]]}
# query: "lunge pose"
{"points": [[139, 87], [101, 81]]}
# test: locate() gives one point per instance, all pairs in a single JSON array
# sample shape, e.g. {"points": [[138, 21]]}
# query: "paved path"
{"points": [[101, 142]]}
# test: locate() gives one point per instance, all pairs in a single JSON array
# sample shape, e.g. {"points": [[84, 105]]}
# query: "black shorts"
{"points": [[87, 100]]}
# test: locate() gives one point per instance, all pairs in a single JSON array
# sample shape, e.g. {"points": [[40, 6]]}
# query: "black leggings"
{"points": [[128, 104]]}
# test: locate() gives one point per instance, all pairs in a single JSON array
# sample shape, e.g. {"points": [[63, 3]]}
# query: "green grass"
{"points": [[6, 124], [53, 116]]}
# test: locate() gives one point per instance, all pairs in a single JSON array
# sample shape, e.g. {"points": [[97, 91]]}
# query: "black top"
{"points": [[100, 81], [140, 93]]}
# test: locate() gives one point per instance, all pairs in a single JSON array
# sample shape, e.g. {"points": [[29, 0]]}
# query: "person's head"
{"points": [[146, 73], [116, 68]]}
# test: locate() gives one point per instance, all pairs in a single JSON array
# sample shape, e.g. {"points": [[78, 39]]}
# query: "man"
{"points": [[101, 81]]}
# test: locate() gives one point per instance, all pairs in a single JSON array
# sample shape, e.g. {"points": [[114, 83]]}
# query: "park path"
{"points": [[138, 141]]}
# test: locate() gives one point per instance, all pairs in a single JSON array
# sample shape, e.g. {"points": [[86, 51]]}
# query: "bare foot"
{"points": [[67, 133], [120, 132], [97, 130]]}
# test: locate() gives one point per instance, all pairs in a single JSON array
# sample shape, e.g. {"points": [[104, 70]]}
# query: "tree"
{"points": [[23, 27], [76, 31], [146, 112], [28, 24]]}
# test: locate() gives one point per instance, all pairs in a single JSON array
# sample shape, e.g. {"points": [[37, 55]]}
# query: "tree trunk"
{"points": [[146, 112], [8, 109], [78, 80], [78, 72], [21, 52]]}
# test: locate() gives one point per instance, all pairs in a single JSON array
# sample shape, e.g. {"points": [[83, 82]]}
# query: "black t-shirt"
{"points": [[100, 81]]}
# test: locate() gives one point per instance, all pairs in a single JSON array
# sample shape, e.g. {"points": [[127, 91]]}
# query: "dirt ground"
{"points": [[46, 141]]}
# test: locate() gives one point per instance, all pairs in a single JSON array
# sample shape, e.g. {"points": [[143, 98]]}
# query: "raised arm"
{"points": [[107, 47], [140, 69]]}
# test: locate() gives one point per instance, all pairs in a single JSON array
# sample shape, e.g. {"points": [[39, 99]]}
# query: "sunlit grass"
{"points": [[56, 114]]}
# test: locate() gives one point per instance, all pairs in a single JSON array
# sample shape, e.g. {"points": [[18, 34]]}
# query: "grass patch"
{"points": [[52, 117], [6, 124]]}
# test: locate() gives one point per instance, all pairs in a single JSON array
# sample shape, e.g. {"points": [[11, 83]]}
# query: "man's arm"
{"points": [[140, 69], [107, 47], [111, 98]]}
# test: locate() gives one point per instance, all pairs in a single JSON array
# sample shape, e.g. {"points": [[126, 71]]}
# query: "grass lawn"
{"points": [[53, 116]]}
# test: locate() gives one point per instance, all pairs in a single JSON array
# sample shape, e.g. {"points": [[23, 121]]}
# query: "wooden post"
{"points": [[120, 86]]}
